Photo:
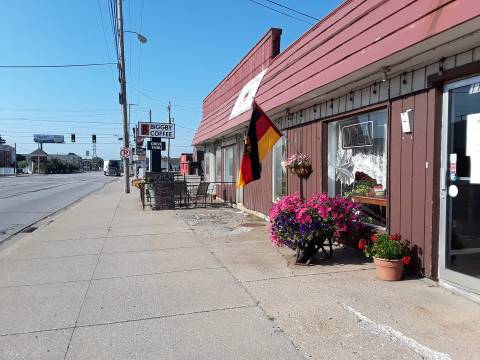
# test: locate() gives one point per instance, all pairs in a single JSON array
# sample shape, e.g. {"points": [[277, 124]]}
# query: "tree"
{"points": [[22, 164], [97, 163]]}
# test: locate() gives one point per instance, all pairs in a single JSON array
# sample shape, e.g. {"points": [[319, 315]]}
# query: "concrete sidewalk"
{"points": [[105, 280]]}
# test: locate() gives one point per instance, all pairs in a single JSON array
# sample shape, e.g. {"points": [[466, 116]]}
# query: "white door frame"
{"points": [[449, 278]]}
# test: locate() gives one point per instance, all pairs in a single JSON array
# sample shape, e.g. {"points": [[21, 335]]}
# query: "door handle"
{"points": [[443, 179]]}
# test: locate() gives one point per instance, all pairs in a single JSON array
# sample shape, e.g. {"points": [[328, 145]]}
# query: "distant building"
{"points": [[38, 160], [7, 160]]}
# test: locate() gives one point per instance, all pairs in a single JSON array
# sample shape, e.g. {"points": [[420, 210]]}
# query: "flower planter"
{"points": [[388, 270], [302, 172], [306, 255]]}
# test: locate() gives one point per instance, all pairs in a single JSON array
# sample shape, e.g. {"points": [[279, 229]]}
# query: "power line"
{"points": [[107, 47], [54, 66], [77, 122], [280, 12], [295, 11]]}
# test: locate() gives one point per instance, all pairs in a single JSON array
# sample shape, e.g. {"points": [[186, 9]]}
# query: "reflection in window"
{"points": [[279, 177], [228, 164], [357, 162], [218, 164]]}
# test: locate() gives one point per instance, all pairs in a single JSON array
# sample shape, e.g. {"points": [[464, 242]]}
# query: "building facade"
{"points": [[7, 159], [381, 94]]}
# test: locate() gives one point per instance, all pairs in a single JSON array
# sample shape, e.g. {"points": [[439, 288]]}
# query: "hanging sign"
{"points": [[161, 130], [156, 145], [246, 95]]}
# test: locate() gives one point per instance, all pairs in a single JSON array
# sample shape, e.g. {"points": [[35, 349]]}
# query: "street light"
{"points": [[140, 37], [123, 88]]}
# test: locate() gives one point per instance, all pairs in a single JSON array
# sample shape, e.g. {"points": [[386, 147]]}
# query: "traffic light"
{"points": [[72, 138], [94, 139]]}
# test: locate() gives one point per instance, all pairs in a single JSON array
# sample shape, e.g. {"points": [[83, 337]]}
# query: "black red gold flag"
{"points": [[262, 134]]}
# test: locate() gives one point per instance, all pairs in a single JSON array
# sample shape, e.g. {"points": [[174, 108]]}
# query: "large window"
{"points": [[218, 164], [228, 164], [279, 178], [357, 162]]}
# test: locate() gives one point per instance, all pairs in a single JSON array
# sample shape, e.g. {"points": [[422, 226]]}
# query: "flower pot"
{"points": [[388, 270], [303, 172]]}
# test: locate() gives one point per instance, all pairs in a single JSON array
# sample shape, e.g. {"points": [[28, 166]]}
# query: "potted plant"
{"points": [[390, 254], [305, 226], [299, 164]]}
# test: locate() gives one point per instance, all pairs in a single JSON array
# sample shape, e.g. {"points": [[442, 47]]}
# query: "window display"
{"points": [[357, 162]]}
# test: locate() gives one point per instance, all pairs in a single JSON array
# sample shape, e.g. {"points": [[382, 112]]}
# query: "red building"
{"points": [[339, 94]]}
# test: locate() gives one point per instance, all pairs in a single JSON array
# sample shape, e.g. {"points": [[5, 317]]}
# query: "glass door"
{"points": [[460, 185]]}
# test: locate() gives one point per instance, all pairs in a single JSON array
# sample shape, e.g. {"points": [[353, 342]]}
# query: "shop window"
{"points": [[218, 164], [357, 162], [228, 164], [279, 177]]}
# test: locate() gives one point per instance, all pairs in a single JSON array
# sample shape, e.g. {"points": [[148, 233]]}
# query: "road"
{"points": [[26, 199]]}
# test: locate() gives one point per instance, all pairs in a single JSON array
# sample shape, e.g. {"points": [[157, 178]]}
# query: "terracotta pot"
{"points": [[388, 270]]}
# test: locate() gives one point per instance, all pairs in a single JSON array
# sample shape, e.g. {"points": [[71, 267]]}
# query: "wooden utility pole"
{"points": [[169, 109], [123, 94]]}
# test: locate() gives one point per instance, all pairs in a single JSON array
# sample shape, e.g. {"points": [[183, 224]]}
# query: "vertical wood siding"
{"points": [[257, 195], [307, 139], [412, 192]]}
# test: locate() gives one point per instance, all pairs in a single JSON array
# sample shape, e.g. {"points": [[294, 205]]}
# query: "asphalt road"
{"points": [[27, 199]]}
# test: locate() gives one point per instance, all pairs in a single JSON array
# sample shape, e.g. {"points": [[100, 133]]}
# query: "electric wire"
{"points": [[55, 66], [295, 11], [281, 12]]}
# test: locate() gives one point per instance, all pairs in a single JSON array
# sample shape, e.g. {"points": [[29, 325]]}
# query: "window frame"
{"points": [[384, 106], [283, 141]]}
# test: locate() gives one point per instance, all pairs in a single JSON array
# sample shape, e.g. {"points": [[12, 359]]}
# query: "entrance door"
{"points": [[459, 263]]}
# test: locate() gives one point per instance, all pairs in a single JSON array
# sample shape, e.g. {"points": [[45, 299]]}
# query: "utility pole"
{"points": [[123, 94], [15, 168], [169, 108], [150, 155]]}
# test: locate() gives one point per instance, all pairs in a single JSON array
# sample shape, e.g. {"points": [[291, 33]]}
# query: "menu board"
{"points": [[163, 190]]}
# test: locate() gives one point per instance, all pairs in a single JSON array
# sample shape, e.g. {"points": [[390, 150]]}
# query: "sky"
{"points": [[191, 46]]}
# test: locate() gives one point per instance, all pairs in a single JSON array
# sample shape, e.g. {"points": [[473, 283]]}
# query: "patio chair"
{"points": [[201, 194], [180, 192]]}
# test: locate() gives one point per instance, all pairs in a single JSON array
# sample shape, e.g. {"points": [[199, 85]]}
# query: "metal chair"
{"points": [[201, 193]]}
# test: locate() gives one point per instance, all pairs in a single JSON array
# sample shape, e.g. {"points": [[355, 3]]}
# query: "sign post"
{"points": [[125, 153]]}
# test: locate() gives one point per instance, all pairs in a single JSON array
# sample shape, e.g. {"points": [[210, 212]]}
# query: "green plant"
{"points": [[388, 247]]}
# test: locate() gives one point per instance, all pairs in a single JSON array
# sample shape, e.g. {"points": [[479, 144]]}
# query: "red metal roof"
{"points": [[356, 34], [218, 105]]}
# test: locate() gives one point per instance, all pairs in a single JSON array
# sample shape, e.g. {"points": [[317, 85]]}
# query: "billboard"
{"points": [[48, 139], [161, 130]]}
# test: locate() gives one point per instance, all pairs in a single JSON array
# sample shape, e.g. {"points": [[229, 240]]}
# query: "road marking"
{"points": [[394, 335]]}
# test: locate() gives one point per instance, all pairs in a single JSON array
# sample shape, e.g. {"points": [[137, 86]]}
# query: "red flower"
{"points": [[406, 260], [362, 244]]}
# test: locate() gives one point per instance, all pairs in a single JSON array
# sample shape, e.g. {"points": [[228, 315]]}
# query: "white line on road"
{"points": [[394, 335]]}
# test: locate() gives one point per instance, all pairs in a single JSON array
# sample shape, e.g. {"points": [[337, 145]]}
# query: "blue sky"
{"points": [[191, 46]]}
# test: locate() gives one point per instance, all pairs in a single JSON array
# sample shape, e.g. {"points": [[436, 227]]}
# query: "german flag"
{"points": [[262, 134]]}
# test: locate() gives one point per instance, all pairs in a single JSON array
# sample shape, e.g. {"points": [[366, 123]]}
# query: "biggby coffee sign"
{"points": [[160, 130]]}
